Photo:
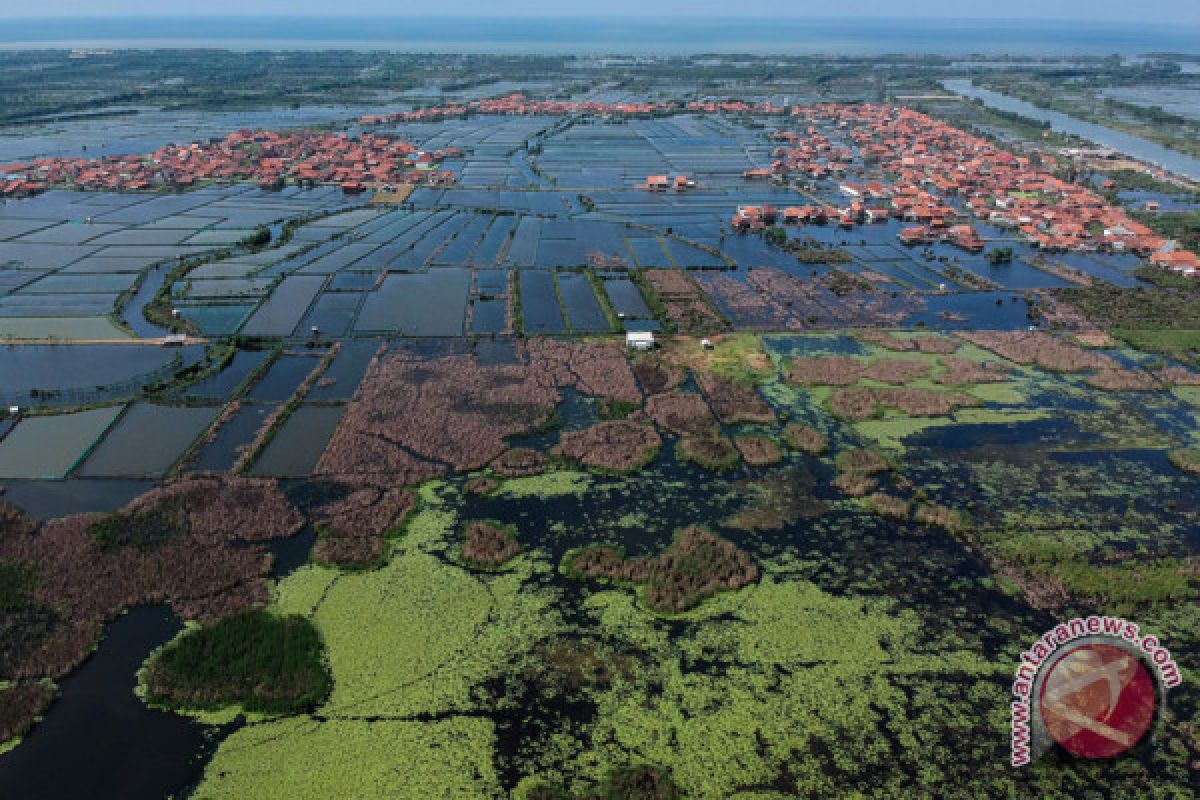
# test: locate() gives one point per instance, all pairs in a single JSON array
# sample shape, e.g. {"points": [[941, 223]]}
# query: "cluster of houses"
{"points": [[938, 177], [520, 105], [269, 158], [663, 183]]}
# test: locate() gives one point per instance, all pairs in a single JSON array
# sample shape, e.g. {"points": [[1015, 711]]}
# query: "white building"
{"points": [[639, 340]]}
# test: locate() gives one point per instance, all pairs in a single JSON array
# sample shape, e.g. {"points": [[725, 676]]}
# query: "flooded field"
{"points": [[794, 551]]}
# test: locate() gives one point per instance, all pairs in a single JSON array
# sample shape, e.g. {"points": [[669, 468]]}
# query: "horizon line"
{"points": [[529, 16]]}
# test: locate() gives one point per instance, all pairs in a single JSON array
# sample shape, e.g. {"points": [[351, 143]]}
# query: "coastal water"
{"points": [[1135, 146], [612, 35]]}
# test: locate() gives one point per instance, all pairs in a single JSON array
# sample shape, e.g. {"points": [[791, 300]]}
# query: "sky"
{"points": [[1146, 12]]}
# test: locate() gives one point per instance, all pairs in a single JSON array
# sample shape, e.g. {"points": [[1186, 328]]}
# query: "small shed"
{"points": [[639, 340]]}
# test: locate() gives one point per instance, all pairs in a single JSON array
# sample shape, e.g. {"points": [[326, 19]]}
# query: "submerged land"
{"points": [[354, 401]]}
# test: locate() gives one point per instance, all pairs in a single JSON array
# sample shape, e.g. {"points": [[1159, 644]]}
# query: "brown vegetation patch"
{"points": [[1177, 376], [481, 487], [574, 664], [1040, 349], [864, 403], [1131, 380], [351, 529], [682, 413], [889, 505], [413, 419], [733, 402], [13, 521], [698, 564], [213, 568], [685, 305], [942, 345], [824, 371], [1044, 592], [769, 299], [857, 470], [846, 371], [758, 451], [805, 439], [657, 375], [616, 446], [488, 545], [715, 453], [939, 516], [896, 370], [965, 372], [20, 706], [595, 370], [519, 462]]}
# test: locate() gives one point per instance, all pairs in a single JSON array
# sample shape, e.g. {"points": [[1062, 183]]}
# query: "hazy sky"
{"points": [[1133, 11]]}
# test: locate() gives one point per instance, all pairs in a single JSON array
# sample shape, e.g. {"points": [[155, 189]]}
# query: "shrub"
{"points": [[260, 661]]}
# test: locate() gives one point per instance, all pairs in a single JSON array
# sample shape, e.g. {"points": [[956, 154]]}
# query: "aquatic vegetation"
{"points": [[637, 783], [697, 565], [355, 757], [805, 439], [858, 403], [214, 567], [888, 505], [656, 374], [770, 299], [351, 529], [257, 660], [519, 462], [1118, 585], [487, 545], [1041, 349], [800, 684], [936, 515], [413, 419], [896, 371], [682, 413], [1186, 460], [925, 343], [686, 308], [733, 402], [20, 706], [825, 371], [959, 371], [758, 451], [715, 453], [551, 484], [617, 446], [481, 486], [574, 663], [857, 470], [142, 529], [1129, 380], [595, 369], [776, 499]]}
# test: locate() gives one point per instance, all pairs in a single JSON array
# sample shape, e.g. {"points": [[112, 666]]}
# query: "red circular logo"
{"points": [[1097, 700]]}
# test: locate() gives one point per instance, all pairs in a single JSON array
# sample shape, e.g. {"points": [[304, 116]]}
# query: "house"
{"points": [[639, 340]]}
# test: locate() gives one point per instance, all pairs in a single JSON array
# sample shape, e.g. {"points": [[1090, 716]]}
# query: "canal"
{"points": [[1135, 146]]}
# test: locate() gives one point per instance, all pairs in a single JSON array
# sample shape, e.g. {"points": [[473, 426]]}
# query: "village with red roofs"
{"points": [[892, 163]]}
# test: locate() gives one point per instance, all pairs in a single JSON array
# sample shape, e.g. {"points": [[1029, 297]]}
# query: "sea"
{"points": [[608, 36]]}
